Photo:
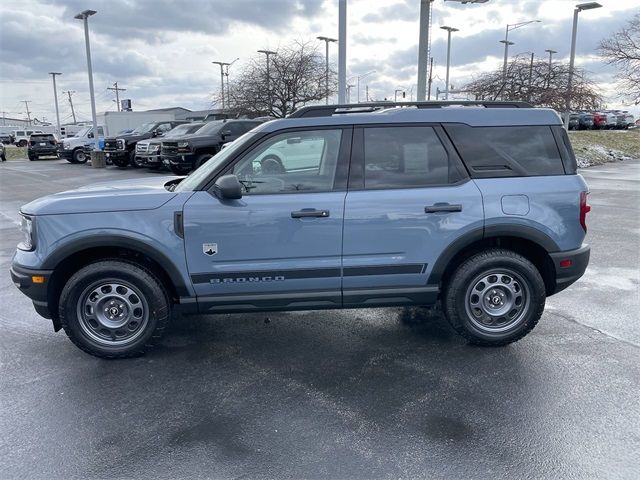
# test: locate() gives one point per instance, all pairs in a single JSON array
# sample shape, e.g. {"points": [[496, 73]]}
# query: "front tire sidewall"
{"points": [[79, 156], [455, 298], [153, 292]]}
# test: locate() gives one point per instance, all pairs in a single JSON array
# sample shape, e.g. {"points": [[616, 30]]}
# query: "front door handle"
{"points": [[310, 212], [443, 207]]}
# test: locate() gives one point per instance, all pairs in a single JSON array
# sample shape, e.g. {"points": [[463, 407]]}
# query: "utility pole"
{"points": [[430, 78], [116, 89], [349, 87], [326, 40], [268, 53], [26, 104], [55, 97], [222, 64], [423, 48], [73, 112], [84, 16], [530, 78], [550, 52], [449, 30], [366, 89], [342, 50]]}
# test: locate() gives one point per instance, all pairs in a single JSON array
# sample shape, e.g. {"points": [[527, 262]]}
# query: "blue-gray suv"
{"points": [[476, 206]]}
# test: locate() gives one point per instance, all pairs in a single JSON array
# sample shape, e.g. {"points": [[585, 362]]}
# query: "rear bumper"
{"points": [[37, 292], [569, 266]]}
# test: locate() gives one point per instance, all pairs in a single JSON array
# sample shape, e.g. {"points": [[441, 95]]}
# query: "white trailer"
{"points": [[115, 122]]}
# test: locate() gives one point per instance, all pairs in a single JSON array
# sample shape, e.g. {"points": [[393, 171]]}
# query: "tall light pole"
{"points": [[358, 82], [550, 52], [222, 64], [327, 41], [449, 30], [423, 48], [268, 54], [342, 50], [578, 9], [55, 98], [506, 42], [84, 16], [226, 74]]}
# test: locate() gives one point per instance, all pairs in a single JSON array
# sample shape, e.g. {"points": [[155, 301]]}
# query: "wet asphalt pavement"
{"points": [[376, 393]]}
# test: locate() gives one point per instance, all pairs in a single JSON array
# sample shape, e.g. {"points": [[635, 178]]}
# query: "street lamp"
{"points": [[358, 82], [222, 65], [55, 98], [449, 30], [578, 9], [84, 16], [226, 74], [268, 53], [550, 52], [326, 40], [506, 42]]}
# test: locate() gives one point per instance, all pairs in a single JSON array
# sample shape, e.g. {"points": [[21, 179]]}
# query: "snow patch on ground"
{"points": [[599, 154]]}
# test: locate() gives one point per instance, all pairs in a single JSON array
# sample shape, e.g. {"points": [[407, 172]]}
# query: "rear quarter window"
{"points": [[514, 151]]}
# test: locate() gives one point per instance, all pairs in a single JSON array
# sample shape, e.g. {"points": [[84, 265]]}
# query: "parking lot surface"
{"points": [[378, 393]]}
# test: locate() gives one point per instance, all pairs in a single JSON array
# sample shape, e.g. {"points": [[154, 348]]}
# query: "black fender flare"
{"points": [[492, 231], [111, 240]]}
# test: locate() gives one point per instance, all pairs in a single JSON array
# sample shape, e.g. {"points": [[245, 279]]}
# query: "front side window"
{"points": [[100, 131], [291, 162], [400, 157]]}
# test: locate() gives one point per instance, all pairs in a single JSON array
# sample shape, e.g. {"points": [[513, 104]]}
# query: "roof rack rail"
{"points": [[329, 110]]}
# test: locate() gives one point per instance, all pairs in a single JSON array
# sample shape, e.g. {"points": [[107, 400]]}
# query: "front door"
{"points": [[280, 245], [409, 198]]}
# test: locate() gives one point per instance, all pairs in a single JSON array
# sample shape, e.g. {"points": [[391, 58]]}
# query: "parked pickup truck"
{"points": [[121, 150], [148, 151], [185, 153], [73, 148]]}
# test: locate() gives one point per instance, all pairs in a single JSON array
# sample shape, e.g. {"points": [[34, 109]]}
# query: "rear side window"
{"points": [[400, 157], [518, 151]]}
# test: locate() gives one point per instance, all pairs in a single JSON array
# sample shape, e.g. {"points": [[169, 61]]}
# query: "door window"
{"points": [[100, 131], [164, 127], [401, 157], [291, 162]]}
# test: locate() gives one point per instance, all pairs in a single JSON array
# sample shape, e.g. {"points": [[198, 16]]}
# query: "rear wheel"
{"points": [[79, 156], [114, 309], [494, 298]]}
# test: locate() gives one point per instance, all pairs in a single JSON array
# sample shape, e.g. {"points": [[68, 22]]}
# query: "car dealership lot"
{"points": [[354, 393]]}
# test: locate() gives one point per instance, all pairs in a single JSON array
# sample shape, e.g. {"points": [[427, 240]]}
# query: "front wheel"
{"points": [[494, 298], [79, 156], [114, 309]]}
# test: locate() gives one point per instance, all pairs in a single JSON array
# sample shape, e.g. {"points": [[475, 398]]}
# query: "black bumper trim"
{"points": [[568, 275], [37, 292]]}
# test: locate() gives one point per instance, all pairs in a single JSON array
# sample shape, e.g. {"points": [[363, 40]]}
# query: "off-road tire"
{"points": [[115, 270], [484, 263]]}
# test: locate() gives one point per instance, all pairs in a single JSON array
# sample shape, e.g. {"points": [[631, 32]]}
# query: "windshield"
{"points": [[181, 130], [211, 128], [144, 128], [193, 180], [83, 132]]}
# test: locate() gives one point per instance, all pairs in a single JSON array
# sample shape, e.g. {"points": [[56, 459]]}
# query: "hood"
{"points": [[117, 196], [131, 138], [193, 137]]}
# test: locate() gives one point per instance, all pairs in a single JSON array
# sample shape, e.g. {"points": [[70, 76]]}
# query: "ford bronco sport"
{"points": [[477, 206]]}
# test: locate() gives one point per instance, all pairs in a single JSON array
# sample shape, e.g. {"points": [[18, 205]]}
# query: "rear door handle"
{"points": [[443, 207], [310, 212]]}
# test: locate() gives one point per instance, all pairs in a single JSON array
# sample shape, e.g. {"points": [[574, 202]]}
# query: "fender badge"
{"points": [[210, 249]]}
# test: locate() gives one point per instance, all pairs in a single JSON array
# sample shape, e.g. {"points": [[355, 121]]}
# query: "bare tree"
{"points": [[296, 77], [622, 49], [537, 84]]}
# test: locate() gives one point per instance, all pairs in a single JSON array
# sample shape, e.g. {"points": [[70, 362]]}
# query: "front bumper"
{"points": [[569, 266], [23, 278], [186, 159], [117, 154], [153, 159]]}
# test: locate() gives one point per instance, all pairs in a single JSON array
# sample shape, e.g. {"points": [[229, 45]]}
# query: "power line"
{"points": [[116, 89]]}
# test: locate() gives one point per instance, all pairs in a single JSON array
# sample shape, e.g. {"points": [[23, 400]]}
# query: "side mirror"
{"points": [[226, 133], [90, 135], [228, 187]]}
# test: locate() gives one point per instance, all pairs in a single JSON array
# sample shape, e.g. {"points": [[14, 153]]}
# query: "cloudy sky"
{"points": [[161, 50]]}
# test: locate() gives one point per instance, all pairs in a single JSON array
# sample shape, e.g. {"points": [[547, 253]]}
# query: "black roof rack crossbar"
{"points": [[329, 110]]}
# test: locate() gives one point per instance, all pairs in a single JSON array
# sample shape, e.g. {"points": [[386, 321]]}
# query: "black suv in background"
{"points": [[188, 152], [42, 145], [121, 150]]}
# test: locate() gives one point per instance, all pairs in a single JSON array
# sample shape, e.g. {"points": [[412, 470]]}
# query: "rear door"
{"points": [[409, 198]]}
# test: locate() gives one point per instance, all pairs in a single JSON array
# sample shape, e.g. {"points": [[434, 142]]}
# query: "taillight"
{"points": [[584, 209]]}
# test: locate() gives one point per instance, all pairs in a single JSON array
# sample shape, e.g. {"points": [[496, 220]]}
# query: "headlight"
{"points": [[183, 144], [154, 147], [120, 143], [66, 146], [26, 227]]}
